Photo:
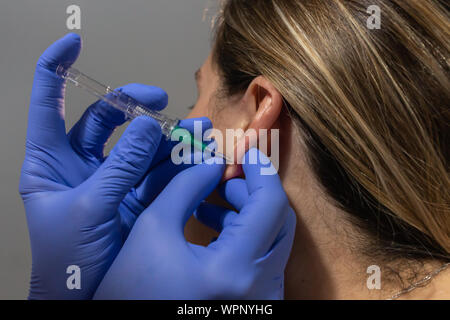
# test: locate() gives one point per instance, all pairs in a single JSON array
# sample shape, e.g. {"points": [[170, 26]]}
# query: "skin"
{"points": [[323, 264]]}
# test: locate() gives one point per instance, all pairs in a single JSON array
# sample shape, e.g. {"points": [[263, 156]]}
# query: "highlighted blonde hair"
{"points": [[374, 105]]}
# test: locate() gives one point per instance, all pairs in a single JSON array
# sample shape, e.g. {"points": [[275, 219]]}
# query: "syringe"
{"points": [[133, 109]]}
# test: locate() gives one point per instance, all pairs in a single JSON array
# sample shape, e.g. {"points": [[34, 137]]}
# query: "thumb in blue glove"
{"points": [[247, 261]]}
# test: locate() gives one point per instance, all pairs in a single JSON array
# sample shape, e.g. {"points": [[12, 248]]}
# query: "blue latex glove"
{"points": [[80, 205], [247, 261]]}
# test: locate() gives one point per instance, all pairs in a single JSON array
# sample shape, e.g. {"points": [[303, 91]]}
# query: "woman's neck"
{"points": [[327, 260]]}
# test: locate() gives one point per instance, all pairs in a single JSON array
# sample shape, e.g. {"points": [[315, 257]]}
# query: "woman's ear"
{"points": [[267, 103], [264, 104]]}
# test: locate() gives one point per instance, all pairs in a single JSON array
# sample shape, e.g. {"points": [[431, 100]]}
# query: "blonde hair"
{"points": [[373, 104]]}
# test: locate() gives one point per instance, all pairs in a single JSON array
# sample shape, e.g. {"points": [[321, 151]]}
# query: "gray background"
{"points": [[158, 42]]}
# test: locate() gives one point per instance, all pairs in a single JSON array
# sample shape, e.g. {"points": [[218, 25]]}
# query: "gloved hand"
{"points": [[80, 205], [247, 261]]}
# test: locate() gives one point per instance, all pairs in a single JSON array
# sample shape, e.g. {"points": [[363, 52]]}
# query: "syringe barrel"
{"points": [[135, 110], [83, 81], [117, 99]]}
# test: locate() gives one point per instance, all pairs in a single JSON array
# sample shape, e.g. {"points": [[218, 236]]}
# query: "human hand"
{"points": [[80, 205], [247, 261]]}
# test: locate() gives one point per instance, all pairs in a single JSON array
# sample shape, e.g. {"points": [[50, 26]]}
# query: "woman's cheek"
{"points": [[220, 123]]}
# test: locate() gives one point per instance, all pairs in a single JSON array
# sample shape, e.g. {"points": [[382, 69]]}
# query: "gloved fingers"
{"points": [[263, 215], [127, 163], [196, 126], [214, 216], [89, 136], [46, 126], [282, 246], [235, 192], [128, 217], [201, 124], [160, 175], [156, 180], [177, 202], [161, 172]]}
